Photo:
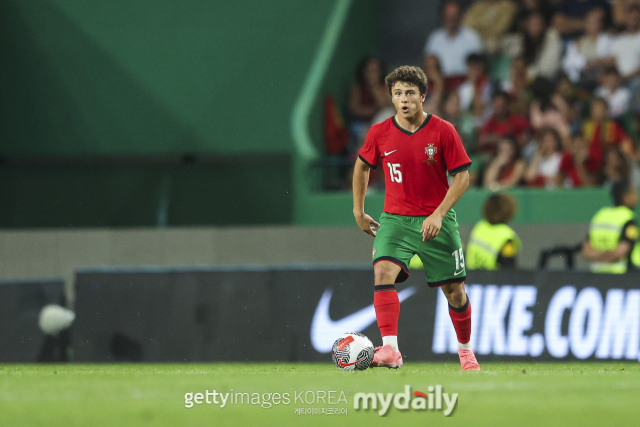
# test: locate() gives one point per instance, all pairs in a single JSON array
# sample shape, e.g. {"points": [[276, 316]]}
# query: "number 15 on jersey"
{"points": [[394, 172]]}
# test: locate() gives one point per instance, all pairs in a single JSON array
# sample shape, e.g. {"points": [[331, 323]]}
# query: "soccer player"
{"points": [[415, 150]]}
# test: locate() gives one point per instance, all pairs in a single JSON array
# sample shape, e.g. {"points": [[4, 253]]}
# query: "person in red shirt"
{"points": [[572, 165], [507, 169], [416, 150], [502, 124], [600, 132]]}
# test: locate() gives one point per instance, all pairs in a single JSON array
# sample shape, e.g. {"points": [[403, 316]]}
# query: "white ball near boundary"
{"points": [[54, 318]]}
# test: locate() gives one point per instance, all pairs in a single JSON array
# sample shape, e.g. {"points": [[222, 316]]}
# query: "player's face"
{"points": [[407, 100]]}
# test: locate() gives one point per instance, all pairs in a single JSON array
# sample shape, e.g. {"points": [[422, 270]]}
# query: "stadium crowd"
{"points": [[543, 93]]}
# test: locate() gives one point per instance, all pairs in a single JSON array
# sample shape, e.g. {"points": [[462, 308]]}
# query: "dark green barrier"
{"points": [[535, 206], [143, 194]]}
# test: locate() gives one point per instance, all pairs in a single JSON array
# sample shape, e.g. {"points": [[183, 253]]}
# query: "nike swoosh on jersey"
{"points": [[390, 152], [325, 331], [458, 272]]}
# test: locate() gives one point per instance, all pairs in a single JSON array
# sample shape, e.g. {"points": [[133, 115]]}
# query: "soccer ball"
{"points": [[352, 352]]}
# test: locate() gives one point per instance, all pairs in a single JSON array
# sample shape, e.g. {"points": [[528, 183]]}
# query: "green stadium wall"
{"points": [[153, 95], [153, 77]]}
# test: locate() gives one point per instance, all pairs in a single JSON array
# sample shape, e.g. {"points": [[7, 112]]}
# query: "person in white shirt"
{"points": [[625, 52], [545, 165], [625, 49], [589, 51], [452, 43], [617, 96], [476, 84]]}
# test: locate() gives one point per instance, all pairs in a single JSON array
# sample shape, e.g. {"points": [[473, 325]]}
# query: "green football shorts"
{"points": [[399, 238]]}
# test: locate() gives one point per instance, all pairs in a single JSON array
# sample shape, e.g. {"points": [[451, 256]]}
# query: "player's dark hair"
{"points": [[618, 190], [499, 209], [408, 74]]}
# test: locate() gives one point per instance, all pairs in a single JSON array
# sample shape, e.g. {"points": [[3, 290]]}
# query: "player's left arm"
{"points": [[457, 162], [432, 224]]}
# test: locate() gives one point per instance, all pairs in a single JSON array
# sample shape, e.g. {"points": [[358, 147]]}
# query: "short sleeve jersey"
{"points": [[415, 164]]}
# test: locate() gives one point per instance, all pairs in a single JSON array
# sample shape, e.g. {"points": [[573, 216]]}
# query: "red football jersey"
{"points": [[415, 164]]}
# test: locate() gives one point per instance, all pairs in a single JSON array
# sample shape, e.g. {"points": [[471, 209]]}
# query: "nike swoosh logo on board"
{"points": [[325, 331], [386, 154]]}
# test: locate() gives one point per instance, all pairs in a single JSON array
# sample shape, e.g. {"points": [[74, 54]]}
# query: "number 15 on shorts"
{"points": [[459, 256]]}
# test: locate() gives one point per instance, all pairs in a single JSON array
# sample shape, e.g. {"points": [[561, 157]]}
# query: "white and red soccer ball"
{"points": [[352, 352]]}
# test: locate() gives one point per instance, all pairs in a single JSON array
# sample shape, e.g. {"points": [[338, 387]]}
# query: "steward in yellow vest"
{"points": [[493, 244], [613, 232]]}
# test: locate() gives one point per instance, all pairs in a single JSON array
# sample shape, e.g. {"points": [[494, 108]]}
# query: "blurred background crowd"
{"points": [[543, 93]]}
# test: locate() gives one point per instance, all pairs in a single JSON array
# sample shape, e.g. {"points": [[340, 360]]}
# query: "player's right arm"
{"points": [[360, 181]]}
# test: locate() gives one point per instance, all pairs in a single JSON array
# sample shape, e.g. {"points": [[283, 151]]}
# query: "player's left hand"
{"points": [[431, 227]]}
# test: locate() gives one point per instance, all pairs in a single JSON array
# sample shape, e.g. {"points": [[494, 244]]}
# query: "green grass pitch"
{"points": [[503, 394]]}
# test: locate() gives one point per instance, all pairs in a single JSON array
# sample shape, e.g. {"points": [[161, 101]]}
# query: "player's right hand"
{"points": [[367, 224]]}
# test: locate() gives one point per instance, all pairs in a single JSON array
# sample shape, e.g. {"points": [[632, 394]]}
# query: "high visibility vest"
{"points": [[486, 242], [605, 231], [635, 255]]}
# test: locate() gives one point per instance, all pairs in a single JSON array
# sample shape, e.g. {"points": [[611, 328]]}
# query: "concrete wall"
{"points": [[59, 253]]}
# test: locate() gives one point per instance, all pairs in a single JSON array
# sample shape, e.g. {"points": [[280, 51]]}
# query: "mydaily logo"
{"points": [[582, 323], [433, 400], [325, 331]]}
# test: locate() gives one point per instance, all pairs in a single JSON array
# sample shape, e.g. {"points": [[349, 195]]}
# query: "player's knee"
{"points": [[455, 294], [385, 274]]}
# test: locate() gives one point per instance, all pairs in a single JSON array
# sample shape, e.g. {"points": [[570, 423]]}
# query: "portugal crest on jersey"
{"points": [[430, 150]]}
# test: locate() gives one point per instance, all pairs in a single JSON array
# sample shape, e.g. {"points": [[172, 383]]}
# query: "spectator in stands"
{"points": [[573, 172], [517, 87], [452, 44], [550, 109], [625, 50], [587, 54], [600, 132], [525, 8], [507, 169], [370, 93], [452, 110], [541, 47], [367, 97], [501, 124], [476, 84], [616, 95], [544, 167], [616, 166], [619, 10], [490, 19], [435, 85], [463, 122], [570, 18]]}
